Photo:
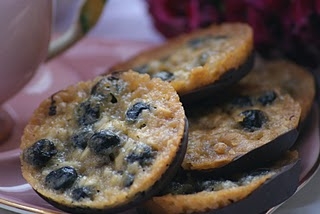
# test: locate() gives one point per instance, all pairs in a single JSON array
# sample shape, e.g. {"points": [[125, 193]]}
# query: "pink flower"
{"points": [[317, 6], [288, 27], [172, 18], [169, 19], [260, 20], [273, 6]]}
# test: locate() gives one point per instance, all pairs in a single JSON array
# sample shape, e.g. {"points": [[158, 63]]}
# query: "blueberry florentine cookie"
{"points": [[251, 192], [288, 76], [104, 144], [198, 59], [249, 126]]}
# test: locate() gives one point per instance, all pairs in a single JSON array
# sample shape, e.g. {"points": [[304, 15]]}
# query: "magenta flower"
{"points": [[172, 18], [289, 28]]}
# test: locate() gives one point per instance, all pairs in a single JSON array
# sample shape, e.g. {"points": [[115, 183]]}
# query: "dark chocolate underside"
{"points": [[227, 79], [268, 152], [273, 192]]}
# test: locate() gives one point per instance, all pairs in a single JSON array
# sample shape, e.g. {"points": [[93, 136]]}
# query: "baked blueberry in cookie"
{"points": [[247, 126], [109, 144], [203, 61], [290, 77]]}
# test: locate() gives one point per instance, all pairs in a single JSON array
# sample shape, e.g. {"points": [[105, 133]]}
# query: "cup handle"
{"points": [[87, 17]]}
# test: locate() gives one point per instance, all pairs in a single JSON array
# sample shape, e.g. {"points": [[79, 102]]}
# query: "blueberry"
{"points": [[197, 42], [82, 193], [164, 75], [253, 120], [201, 41], [202, 59], [267, 98], [143, 154], [40, 152], [143, 69], [242, 101], [104, 142], [61, 178], [128, 179], [80, 138], [134, 111], [88, 113]]}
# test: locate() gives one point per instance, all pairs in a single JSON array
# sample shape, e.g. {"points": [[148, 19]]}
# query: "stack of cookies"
{"points": [[196, 125]]}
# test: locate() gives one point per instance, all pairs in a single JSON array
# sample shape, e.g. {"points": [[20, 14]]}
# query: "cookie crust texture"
{"points": [[192, 61], [248, 120], [290, 77], [134, 137]]}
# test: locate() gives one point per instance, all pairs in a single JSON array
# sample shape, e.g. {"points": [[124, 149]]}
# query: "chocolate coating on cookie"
{"points": [[228, 79], [255, 191]]}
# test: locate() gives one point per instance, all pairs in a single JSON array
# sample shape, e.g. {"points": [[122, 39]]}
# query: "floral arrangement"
{"points": [[289, 28]]}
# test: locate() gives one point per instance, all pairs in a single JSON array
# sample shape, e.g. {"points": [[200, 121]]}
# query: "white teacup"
{"points": [[24, 38], [24, 41]]}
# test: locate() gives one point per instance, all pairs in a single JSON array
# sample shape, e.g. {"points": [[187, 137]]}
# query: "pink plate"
{"points": [[89, 58]]}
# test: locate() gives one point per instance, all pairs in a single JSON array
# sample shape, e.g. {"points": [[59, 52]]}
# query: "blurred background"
{"points": [[288, 28], [121, 20]]}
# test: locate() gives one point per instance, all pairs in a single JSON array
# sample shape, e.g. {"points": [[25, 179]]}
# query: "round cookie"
{"points": [[252, 192], [290, 77], [195, 61], [243, 128], [106, 144]]}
